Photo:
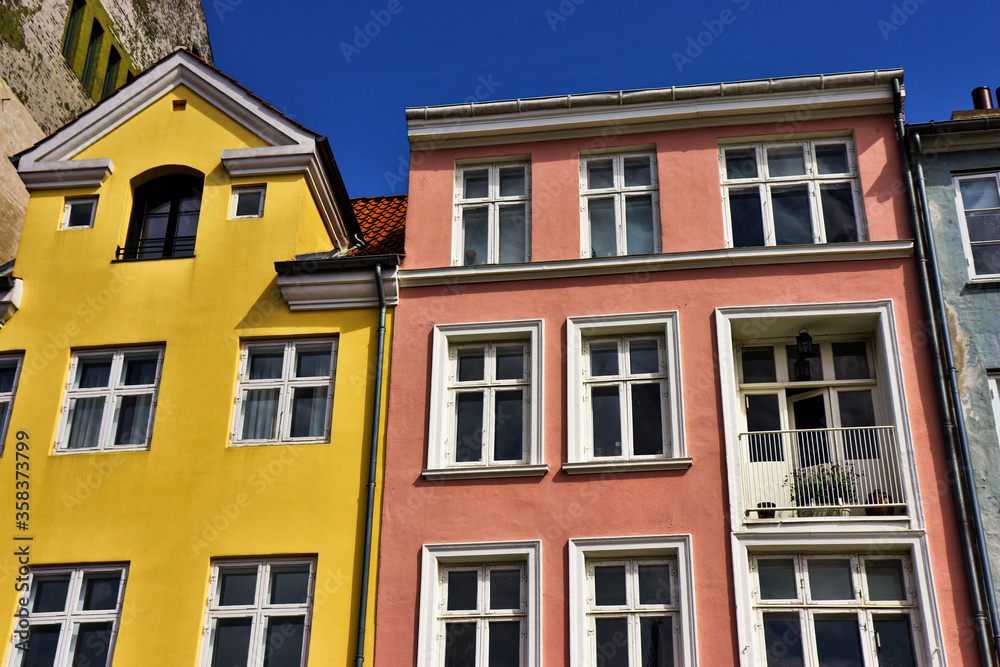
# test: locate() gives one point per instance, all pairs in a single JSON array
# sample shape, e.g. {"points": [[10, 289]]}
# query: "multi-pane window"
{"points": [[110, 399], [619, 205], [285, 392], [493, 213], [259, 613], [78, 213], [482, 618], [979, 201], [625, 389], [841, 609], [791, 193], [164, 220], [489, 394], [10, 373], [72, 617]]}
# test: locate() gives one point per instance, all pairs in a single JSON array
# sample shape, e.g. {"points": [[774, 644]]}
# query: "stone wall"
{"points": [[18, 131]]}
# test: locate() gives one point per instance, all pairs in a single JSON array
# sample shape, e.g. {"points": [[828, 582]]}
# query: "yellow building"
{"points": [[193, 355]]}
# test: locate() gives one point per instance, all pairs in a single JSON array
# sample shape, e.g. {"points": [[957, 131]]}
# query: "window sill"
{"points": [[983, 281], [149, 259], [98, 450], [594, 467], [277, 443], [482, 472]]}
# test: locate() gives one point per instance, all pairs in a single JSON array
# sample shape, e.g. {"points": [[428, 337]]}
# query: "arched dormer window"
{"points": [[164, 218]]}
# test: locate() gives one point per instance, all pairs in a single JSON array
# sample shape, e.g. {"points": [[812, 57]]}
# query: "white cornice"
{"points": [[66, 174], [10, 301], [575, 268], [337, 290]]}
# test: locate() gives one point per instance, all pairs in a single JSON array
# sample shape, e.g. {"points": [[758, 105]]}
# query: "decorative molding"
{"points": [[65, 173], [601, 467], [484, 472], [337, 290], [10, 300]]}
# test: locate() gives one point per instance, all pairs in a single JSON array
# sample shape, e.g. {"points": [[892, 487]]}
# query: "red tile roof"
{"points": [[382, 220]]}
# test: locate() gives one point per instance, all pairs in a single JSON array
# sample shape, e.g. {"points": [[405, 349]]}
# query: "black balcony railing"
{"points": [[179, 246]]}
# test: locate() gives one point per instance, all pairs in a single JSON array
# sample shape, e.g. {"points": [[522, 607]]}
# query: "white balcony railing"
{"points": [[821, 472]]}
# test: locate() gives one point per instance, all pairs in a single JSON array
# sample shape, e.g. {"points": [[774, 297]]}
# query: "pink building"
{"points": [[659, 391]]}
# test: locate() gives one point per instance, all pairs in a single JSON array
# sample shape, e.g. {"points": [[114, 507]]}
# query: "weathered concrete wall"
{"points": [[18, 130]]}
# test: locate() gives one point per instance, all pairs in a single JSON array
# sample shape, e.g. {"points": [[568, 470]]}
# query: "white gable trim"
{"points": [[70, 174]]}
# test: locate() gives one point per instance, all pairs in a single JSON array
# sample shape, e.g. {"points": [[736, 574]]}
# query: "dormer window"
{"points": [[164, 218]]}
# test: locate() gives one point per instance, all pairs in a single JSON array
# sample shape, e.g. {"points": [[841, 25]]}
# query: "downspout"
{"points": [[971, 562], [359, 657]]}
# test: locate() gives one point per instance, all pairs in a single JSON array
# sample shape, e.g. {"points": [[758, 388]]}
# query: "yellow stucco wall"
{"points": [[190, 498]]}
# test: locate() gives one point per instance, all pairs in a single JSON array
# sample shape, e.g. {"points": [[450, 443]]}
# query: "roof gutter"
{"points": [[306, 264]]}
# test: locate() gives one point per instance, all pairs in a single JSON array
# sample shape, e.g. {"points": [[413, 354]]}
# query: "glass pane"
{"points": [[100, 591], [894, 640], [857, 410], [839, 217], [93, 642], [475, 223], [758, 364], [763, 415], [746, 217], [838, 641], [460, 645], [609, 586], [979, 193], [85, 421], [154, 225], [612, 642], [644, 356], [885, 580], [284, 637], [132, 417], [803, 370], [603, 358], [850, 361], [986, 259], [656, 637], [603, 234], [785, 161], [289, 586], [312, 362], [187, 225], [471, 364], [830, 579], [983, 225], [638, 171], [505, 589], [265, 363], [809, 413], [639, 225], [600, 174], [232, 642], [832, 159], [237, 587], [512, 234], [783, 640], [607, 421], [654, 584], [792, 215], [92, 372], [509, 425], [505, 644], [510, 362], [248, 203], [80, 214], [741, 163], [309, 412], [511, 181], [469, 436], [260, 414], [477, 182], [463, 587], [8, 369], [139, 369], [50, 594], [647, 420], [777, 579], [43, 640]]}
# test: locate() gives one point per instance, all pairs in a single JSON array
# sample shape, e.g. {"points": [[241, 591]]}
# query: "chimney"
{"points": [[981, 98], [982, 105]]}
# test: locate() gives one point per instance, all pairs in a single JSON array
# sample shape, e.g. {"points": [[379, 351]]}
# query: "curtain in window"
{"points": [[85, 422], [260, 413], [133, 419]]}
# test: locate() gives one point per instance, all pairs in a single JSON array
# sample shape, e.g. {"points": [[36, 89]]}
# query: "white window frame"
{"points": [[74, 201], [618, 192], [287, 383], [247, 189], [111, 393], [261, 610], [811, 178], [579, 330], [9, 396], [440, 447], [584, 551], [993, 377], [964, 226], [492, 202], [434, 562], [72, 615]]}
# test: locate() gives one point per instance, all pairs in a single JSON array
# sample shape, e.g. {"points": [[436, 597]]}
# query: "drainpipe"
{"points": [[961, 472], [359, 657]]}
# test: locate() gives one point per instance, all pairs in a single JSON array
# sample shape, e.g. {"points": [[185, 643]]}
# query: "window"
{"points": [[93, 53], [619, 205], [838, 609], [624, 393], [111, 73], [72, 28], [485, 400], [994, 380], [10, 374], [631, 602], [164, 218], [791, 193], [285, 392], [248, 202], [979, 202], [79, 212], [479, 605], [259, 612], [492, 213], [110, 399], [72, 617]]}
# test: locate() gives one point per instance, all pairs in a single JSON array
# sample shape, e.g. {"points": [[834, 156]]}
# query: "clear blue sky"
{"points": [[313, 60]]}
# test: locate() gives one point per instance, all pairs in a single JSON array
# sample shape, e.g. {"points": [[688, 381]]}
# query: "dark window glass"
{"points": [[741, 163], [505, 644], [100, 591], [647, 420], [612, 642], [312, 362], [512, 181], [654, 584], [475, 221], [639, 238], [80, 214], [603, 234], [806, 369], [830, 579], [894, 640], [603, 359], [850, 361], [838, 641], [656, 641], [460, 645], [510, 362], [783, 640], [777, 579], [283, 641], [746, 217], [609, 585], [600, 174], [237, 587], [469, 436], [607, 423], [232, 642], [763, 414], [792, 215], [43, 640], [111, 73], [758, 365], [50, 594], [477, 184], [513, 236], [248, 203], [505, 589], [832, 159], [839, 217], [644, 356], [289, 586], [93, 643], [471, 364], [885, 580], [509, 432], [463, 589]]}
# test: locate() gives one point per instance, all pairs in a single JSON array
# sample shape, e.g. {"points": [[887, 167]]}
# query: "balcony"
{"points": [[157, 248], [832, 472]]}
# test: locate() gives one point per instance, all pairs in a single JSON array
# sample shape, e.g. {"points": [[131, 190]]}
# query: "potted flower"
{"points": [[824, 485]]}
